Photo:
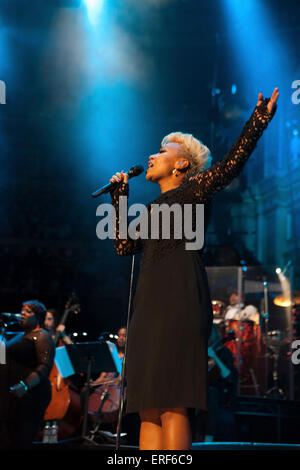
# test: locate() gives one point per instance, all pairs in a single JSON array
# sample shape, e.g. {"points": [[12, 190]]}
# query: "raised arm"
{"points": [[128, 246], [212, 180]]}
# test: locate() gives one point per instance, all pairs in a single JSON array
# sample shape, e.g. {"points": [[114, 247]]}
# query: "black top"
{"points": [[27, 356], [172, 313]]}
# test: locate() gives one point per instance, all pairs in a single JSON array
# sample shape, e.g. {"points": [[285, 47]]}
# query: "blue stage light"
{"points": [[94, 8]]}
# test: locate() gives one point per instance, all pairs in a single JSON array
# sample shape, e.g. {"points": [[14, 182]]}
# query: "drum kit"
{"points": [[251, 345]]}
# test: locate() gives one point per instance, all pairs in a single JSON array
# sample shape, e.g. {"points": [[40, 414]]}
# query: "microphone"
{"points": [[11, 316], [134, 171]]}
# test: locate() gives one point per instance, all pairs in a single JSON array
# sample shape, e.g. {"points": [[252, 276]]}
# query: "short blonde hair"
{"points": [[197, 153]]}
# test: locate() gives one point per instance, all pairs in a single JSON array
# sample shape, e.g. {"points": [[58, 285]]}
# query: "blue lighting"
{"points": [[258, 56], [94, 8]]}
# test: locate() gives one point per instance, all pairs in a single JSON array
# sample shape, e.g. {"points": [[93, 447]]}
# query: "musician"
{"points": [[110, 379], [238, 311], [223, 381], [50, 325], [245, 322], [120, 344], [25, 390]]}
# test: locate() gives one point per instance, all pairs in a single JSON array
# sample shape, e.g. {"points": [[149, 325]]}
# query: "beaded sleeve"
{"points": [[45, 351], [215, 178], [128, 246]]}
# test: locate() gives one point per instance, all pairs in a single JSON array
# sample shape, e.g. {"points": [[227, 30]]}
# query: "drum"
{"points": [[246, 342], [218, 308]]}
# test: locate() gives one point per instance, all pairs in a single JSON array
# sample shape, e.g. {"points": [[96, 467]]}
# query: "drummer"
{"points": [[238, 311]]}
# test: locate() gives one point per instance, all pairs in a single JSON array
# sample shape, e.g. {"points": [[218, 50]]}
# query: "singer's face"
{"points": [[28, 318], [163, 163]]}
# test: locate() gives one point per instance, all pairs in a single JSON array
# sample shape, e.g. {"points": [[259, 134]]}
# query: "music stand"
{"points": [[91, 357]]}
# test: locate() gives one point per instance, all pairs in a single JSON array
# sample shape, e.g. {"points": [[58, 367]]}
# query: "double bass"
{"points": [[104, 402], [64, 406]]}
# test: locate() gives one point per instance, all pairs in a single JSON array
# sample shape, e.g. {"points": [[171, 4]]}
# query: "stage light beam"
{"points": [[94, 8]]}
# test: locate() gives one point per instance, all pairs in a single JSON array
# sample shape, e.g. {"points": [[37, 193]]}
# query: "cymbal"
{"points": [[218, 302], [283, 301]]}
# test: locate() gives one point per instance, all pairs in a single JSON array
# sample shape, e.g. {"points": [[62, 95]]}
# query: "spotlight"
{"points": [[94, 8], [233, 89]]}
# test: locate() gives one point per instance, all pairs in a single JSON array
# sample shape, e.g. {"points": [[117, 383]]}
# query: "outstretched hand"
{"points": [[271, 104]]}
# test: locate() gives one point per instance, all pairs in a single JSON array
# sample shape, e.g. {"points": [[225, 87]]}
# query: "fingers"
{"points": [[275, 95], [273, 99], [118, 177], [260, 99]]}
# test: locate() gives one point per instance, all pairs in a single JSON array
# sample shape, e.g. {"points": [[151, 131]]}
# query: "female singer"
{"points": [[172, 313], [25, 390]]}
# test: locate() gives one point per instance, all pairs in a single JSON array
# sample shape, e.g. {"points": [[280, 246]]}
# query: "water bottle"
{"points": [[53, 433], [46, 433]]}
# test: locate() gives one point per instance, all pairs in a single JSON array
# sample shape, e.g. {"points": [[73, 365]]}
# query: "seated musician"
{"points": [[120, 344], [50, 324], [105, 390], [244, 320], [238, 311], [25, 389]]}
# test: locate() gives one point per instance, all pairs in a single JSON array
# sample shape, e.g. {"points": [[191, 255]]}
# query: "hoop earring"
{"points": [[174, 171]]}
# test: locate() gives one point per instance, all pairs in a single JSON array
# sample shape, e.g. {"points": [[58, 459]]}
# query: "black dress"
{"points": [[27, 355], [172, 312]]}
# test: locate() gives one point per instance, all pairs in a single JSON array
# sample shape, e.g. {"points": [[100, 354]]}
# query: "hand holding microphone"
{"points": [[118, 178]]}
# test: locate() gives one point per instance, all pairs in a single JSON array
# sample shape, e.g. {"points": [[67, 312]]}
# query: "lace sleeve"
{"points": [[45, 351], [126, 246], [212, 180]]}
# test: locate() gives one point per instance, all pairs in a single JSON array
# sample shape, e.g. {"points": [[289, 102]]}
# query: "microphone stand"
{"points": [[121, 406], [265, 315]]}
